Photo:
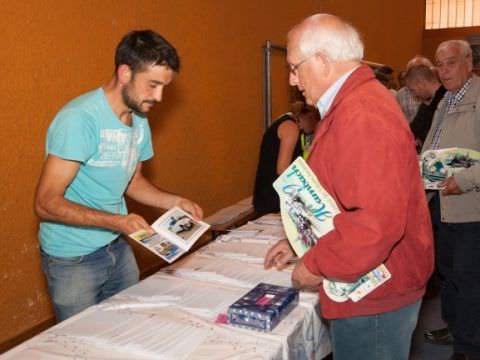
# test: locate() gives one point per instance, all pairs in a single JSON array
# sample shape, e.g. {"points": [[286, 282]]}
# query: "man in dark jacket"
{"points": [[423, 81]]}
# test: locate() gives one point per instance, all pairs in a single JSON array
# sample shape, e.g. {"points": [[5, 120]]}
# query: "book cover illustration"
{"points": [[175, 233], [263, 307], [342, 291], [307, 212], [437, 165]]}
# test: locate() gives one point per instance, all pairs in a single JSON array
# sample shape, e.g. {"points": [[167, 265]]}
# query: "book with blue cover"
{"points": [[263, 307], [307, 212]]}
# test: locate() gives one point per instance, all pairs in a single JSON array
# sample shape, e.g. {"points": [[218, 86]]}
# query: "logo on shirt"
{"points": [[118, 148]]}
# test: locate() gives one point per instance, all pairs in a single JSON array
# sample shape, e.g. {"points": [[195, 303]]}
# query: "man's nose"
{"points": [[158, 94], [293, 79]]}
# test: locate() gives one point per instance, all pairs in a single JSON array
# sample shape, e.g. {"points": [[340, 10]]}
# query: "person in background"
{"points": [[456, 208], [384, 74], [401, 78], [307, 120], [287, 138], [405, 97], [363, 154], [423, 81], [95, 149]]}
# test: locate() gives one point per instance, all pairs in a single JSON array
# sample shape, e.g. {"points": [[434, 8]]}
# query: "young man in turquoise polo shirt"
{"points": [[95, 148]]}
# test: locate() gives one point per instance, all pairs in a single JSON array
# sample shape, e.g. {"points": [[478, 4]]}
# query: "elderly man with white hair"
{"points": [[363, 154], [456, 209]]}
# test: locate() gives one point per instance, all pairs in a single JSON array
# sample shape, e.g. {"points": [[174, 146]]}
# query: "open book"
{"points": [[437, 165], [175, 233], [307, 211]]}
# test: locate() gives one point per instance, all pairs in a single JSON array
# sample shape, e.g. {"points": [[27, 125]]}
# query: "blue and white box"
{"points": [[263, 307]]}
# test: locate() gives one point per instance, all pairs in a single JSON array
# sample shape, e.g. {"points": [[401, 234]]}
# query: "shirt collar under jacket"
{"points": [[327, 98], [454, 98]]}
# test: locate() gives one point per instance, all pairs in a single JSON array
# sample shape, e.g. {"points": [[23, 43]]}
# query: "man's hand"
{"points": [[450, 187], [130, 223], [278, 255], [143, 191], [302, 278], [191, 207]]}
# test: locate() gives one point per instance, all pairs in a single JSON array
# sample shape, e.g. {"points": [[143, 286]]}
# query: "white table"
{"points": [[173, 313]]}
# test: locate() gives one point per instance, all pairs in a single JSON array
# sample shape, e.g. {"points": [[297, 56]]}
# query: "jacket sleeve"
{"points": [[469, 179], [371, 171]]}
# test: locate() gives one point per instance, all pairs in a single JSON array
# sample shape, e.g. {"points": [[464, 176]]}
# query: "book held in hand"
{"points": [[263, 307], [437, 165], [175, 233], [307, 211], [342, 291]]}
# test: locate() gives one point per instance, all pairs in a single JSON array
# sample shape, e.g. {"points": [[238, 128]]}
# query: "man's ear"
{"points": [[470, 63], [124, 74], [325, 63]]}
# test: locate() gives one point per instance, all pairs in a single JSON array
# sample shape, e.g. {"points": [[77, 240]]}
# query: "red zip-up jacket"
{"points": [[364, 155]]}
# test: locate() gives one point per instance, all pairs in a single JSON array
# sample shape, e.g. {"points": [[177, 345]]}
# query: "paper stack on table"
{"points": [[171, 315]]}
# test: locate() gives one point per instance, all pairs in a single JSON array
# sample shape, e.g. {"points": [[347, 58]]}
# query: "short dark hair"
{"points": [[421, 72], [384, 69], [383, 77], [145, 47]]}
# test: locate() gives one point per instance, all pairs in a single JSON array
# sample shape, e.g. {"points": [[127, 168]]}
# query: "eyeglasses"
{"points": [[293, 68]]}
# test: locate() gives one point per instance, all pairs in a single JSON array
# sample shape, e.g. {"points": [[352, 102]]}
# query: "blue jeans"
{"points": [[457, 253], [75, 283], [385, 336]]}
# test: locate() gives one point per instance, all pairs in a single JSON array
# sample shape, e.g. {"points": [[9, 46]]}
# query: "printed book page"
{"points": [[437, 165], [342, 291], [175, 233], [307, 211]]}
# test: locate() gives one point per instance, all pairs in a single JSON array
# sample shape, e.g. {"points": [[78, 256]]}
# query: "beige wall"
{"points": [[206, 131]]}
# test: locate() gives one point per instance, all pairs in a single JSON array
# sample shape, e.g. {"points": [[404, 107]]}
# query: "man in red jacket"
{"points": [[363, 154]]}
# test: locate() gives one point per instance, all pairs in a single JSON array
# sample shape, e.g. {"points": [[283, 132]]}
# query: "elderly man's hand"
{"points": [[279, 255], [450, 187], [302, 278]]}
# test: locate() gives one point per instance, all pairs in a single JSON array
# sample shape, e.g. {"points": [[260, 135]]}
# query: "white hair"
{"points": [[339, 42], [463, 46]]}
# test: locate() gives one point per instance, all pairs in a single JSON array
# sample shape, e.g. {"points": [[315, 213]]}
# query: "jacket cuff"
{"points": [[310, 263], [463, 183]]}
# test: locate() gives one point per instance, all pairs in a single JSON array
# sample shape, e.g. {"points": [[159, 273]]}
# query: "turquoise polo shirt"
{"points": [[87, 130]]}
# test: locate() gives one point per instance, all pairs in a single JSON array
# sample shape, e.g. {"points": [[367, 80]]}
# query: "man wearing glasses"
{"points": [[364, 156]]}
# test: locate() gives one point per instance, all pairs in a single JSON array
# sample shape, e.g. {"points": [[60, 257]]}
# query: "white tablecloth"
{"points": [[172, 314]]}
